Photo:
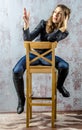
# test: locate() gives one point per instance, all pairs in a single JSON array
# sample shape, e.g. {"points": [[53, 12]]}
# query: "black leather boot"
{"points": [[62, 74], [19, 86]]}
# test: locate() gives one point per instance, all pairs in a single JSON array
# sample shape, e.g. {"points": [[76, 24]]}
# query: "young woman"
{"points": [[54, 29]]}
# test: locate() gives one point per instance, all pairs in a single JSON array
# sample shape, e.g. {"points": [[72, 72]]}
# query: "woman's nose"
{"points": [[55, 14]]}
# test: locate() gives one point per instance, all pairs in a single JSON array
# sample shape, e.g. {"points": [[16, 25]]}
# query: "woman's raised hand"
{"points": [[26, 16], [65, 21]]}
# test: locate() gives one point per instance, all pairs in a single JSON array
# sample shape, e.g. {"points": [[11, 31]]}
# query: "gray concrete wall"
{"points": [[12, 49]]}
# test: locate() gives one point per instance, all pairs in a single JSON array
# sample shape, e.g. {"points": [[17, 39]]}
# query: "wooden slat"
{"points": [[41, 104], [41, 45], [40, 69]]}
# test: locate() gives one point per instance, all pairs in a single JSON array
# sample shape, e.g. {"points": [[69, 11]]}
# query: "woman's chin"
{"points": [[54, 21]]}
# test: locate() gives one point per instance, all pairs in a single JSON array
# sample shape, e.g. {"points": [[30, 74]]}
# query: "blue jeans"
{"points": [[20, 67]]}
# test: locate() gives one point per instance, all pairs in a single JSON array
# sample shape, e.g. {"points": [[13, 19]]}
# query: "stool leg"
{"points": [[53, 97], [27, 99], [30, 96]]}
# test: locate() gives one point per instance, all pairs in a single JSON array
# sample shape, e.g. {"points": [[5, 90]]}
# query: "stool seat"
{"points": [[31, 47]]}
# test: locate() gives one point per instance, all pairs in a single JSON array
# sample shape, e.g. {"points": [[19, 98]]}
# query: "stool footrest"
{"points": [[41, 104]]}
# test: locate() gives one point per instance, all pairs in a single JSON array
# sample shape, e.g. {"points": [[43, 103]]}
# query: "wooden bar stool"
{"points": [[31, 47]]}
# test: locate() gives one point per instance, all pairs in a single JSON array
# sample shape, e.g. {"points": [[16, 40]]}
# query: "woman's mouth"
{"points": [[55, 18]]}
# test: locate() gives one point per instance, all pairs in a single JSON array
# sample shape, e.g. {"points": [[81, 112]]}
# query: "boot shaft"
{"points": [[19, 87], [62, 74]]}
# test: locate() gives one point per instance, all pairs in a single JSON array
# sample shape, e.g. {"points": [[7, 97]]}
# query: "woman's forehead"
{"points": [[58, 9]]}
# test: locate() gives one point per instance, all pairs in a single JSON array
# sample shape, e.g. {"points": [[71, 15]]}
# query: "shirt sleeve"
{"points": [[57, 35], [27, 35]]}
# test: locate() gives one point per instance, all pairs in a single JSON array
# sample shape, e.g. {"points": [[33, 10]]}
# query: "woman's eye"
{"points": [[59, 14]]}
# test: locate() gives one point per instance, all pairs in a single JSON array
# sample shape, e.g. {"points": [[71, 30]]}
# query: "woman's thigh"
{"points": [[59, 62], [21, 64]]}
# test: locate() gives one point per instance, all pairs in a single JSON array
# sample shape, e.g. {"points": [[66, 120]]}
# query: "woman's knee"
{"points": [[18, 71], [16, 74], [63, 65], [20, 67]]}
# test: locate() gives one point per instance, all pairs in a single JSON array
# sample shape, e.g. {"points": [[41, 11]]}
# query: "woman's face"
{"points": [[58, 15]]}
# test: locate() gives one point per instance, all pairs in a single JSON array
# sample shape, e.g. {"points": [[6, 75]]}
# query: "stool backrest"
{"points": [[32, 47]]}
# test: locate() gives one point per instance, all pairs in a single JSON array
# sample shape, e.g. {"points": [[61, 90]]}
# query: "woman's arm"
{"points": [[27, 35], [57, 35]]}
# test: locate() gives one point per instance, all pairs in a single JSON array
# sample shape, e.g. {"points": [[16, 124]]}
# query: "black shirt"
{"points": [[40, 31]]}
